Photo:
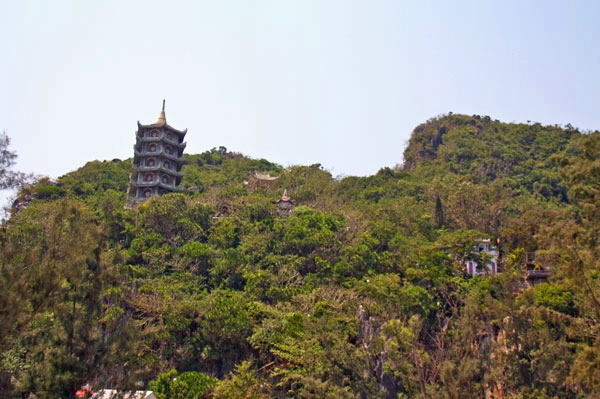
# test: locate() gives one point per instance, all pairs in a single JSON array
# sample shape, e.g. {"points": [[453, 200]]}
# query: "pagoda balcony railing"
{"points": [[159, 153], [170, 187], [145, 183], [157, 168], [146, 168], [156, 181], [173, 157], [138, 153], [162, 137]]}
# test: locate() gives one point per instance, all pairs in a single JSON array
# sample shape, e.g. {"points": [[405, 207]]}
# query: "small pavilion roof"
{"points": [[265, 176], [285, 197]]}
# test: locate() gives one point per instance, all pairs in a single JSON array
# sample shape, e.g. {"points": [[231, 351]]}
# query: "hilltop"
{"points": [[362, 292]]}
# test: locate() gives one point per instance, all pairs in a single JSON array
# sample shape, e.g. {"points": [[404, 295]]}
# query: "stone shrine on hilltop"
{"points": [[157, 161]]}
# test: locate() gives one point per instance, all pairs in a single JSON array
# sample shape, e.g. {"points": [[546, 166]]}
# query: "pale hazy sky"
{"points": [[341, 83]]}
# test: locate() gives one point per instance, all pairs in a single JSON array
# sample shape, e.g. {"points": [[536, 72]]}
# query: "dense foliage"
{"points": [[361, 293], [8, 177]]}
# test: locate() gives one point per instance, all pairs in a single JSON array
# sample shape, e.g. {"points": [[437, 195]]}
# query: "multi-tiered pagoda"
{"points": [[157, 161]]}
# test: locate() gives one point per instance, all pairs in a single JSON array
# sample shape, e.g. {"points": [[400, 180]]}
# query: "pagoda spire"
{"points": [[162, 119]]}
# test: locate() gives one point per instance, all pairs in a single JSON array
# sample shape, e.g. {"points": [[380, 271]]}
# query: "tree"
{"points": [[439, 213], [8, 178], [187, 385], [243, 383], [51, 284]]}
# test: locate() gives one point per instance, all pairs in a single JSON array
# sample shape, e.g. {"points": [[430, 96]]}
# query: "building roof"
{"points": [[114, 394], [285, 198], [264, 176], [162, 122]]}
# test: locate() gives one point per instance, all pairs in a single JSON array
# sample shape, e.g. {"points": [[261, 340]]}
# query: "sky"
{"points": [[340, 83]]}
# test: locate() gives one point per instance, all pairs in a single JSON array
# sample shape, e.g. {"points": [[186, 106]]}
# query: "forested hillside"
{"points": [[361, 292]]}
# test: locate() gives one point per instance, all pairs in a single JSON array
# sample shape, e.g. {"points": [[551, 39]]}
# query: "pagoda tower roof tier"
{"points": [[138, 162], [156, 125], [173, 157], [140, 139], [161, 123], [155, 184], [174, 144], [156, 168], [138, 145]]}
